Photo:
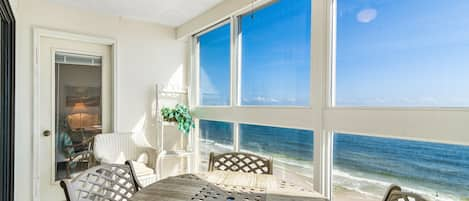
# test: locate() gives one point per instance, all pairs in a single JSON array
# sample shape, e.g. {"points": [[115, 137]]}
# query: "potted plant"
{"points": [[181, 115]]}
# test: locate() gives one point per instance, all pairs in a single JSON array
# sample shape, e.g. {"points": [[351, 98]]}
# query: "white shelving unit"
{"points": [[181, 149]]}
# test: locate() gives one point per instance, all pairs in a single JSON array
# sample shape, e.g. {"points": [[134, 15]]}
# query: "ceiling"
{"points": [[166, 12]]}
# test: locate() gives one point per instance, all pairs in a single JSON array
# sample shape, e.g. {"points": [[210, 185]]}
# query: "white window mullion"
{"points": [[193, 89], [323, 162], [195, 92], [321, 94], [236, 139], [234, 61], [195, 147]]}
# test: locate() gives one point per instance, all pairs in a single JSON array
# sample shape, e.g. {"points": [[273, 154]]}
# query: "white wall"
{"points": [[147, 54]]}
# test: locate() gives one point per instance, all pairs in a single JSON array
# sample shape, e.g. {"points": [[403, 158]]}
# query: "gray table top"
{"points": [[225, 186]]}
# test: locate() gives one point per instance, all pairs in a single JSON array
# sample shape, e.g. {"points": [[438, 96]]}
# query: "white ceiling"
{"points": [[166, 12]]}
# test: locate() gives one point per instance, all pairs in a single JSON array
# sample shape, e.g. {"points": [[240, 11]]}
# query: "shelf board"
{"points": [[177, 153], [172, 92], [167, 123]]}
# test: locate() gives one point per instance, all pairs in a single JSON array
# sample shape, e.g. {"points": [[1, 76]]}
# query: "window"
{"points": [[214, 66], [79, 107], [215, 136], [291, 149], [365, 166], [275, 54], [402, 53]]}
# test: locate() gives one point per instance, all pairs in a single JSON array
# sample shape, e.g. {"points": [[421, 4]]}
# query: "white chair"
{"points": [[118, 148]]}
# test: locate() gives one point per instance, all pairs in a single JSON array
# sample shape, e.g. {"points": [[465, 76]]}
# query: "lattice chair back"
{"points": [[106, 182], [394, 193], [240, 162]]}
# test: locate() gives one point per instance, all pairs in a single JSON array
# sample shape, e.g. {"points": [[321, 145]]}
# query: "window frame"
{"points": [[235, 55], [196, 62], [295, 117], [431, 124]]}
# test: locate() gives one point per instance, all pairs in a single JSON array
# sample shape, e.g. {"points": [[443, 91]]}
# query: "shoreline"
{"points": [[348, 186], [292, 173]]}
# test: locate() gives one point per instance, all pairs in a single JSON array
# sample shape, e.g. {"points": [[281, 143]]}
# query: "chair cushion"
{"points": [[141, 169], [143, 158], [115, 148]]}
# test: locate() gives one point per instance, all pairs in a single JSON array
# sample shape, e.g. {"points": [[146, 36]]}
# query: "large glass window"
{"points": [[402, 53], [365, 166], [215, 136], [214, 66], [275, 54], [291, 149]]}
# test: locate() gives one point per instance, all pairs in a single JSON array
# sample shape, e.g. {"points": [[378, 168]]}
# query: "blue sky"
{"points": [[389, 53], [214, 61], [402, 53], [275, 57], [276, 54]]}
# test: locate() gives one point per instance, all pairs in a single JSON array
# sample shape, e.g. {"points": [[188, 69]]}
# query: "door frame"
{"points": [[38, 33], [7, 103]]}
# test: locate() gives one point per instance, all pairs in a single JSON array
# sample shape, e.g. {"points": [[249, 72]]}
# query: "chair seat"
{"points": [[147, 179]]}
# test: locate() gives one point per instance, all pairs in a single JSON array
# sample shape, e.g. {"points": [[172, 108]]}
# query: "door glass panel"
{"points": [[78, 115]]}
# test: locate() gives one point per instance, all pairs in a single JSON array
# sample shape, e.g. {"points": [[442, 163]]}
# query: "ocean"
{"points": [[366, 165]]}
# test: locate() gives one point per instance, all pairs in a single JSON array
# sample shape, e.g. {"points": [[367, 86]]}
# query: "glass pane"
{"points": [[214, 59], [402, 53], [365, 166], [215, 136], [78, 116], [275, 67], [291, 149]]}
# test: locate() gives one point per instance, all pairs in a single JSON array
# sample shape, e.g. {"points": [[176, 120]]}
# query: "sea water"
{"points": [[366, 165]]}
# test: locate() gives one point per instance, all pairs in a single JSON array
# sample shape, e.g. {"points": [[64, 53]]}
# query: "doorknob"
{"points": [[46, 133]]}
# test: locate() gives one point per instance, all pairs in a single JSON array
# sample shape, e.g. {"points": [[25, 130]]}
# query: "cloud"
{"points": [[367, 15]]}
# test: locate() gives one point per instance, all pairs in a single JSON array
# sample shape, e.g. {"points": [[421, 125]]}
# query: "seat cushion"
{"points": [[141, 169]]}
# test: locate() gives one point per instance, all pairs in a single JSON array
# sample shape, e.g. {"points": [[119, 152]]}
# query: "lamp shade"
{"points": [[79, 107]]}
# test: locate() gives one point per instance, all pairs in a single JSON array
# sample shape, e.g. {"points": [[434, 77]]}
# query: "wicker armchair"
{"points": [[394, 193], [118, 148], [104, 182], [240, 162]]}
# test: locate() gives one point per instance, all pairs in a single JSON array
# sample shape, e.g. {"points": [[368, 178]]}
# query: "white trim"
{"points": [[37, 34], [226, 12], [236, 139], [234, 99], [422, 125]]}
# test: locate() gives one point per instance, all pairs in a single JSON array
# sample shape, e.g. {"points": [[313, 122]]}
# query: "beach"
{"points": [[348, 186], [363, 166], [286, 172]]}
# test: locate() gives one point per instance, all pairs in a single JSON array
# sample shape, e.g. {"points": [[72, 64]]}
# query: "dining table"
{"points": [[225, 186]]}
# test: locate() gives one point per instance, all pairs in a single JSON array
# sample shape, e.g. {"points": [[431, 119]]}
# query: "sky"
{"points": [[402, 53], [388, 53], [275, 57]]}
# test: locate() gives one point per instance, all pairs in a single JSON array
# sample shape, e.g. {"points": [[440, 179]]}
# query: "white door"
{"points": [[76, 103]]}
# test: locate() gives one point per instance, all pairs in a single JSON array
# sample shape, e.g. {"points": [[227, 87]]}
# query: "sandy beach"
{"points": [[290, 173]]}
